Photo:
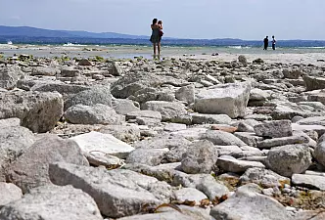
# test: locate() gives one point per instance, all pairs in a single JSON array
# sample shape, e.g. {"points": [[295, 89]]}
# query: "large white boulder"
{"points": [[230, 99]]}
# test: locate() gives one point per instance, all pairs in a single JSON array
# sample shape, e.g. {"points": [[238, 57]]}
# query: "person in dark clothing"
{"points": [[273, 43], [266, 42]]}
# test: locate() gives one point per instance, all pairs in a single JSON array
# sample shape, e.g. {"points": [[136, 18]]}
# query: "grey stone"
{"points": [[161, 190], [248, 138], [201, 157], [9, 76], [186, 94], [228, 150], [248, 206], [126, 133], [310, 181], [160, 216], [105, 143], [274, 129], [117, 192], [96, 114], [170, 111], [258, 95], [9, 193], [210, 119], [44, 71], [311, 215], [146, 117], [37, 111], [212, 188], [222, 138], [124, 106], [290, 159], [277, 142], [243, 60], [102, 159], [52, 203], [96, 95], [151, 157], [244, 127], [320, 129], [31, 169], [113, 69], [177, 146], [292, 73], [14, 140], [69, 72], [230, 164], [66, 90], [133, 82], [319, 152], [288, 110], [318, 120], [189, 194], [314, 83], [230, 99], [264, 178], [171, 127], [191, 133]]}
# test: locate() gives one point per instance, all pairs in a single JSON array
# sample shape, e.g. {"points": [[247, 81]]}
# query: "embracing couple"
{"points": [[156, 36]]}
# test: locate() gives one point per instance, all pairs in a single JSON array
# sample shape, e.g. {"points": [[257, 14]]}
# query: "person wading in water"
{"points": [[273, 43], [156, 37]]}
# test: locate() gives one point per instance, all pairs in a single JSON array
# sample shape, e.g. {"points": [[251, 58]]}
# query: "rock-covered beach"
{"points": [[228, 137]]}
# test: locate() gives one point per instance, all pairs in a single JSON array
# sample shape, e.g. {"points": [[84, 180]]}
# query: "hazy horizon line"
{"points": [[170, 37]]}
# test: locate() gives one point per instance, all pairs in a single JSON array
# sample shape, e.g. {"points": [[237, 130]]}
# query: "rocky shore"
{"points": [[181, 138]]}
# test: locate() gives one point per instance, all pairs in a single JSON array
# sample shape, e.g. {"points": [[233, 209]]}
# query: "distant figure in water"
{"points": [[273, 43], [266, 42], [155, 37]]}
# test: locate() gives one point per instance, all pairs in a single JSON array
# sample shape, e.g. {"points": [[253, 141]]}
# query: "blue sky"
{"points": [[245, 19]]}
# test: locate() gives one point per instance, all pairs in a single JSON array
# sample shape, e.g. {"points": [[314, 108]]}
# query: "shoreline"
{"points": [[293, 56]]}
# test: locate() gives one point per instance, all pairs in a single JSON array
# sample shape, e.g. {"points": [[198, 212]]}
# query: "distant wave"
{"points": [[74, 45], [311, 47], [238, 47]]}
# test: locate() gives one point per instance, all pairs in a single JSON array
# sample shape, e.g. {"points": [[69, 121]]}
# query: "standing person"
{"points": [[155, 38], [273, 43], [266, 42]]}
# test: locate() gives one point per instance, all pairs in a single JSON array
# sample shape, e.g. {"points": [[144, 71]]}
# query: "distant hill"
{"points": [[25, 31]]}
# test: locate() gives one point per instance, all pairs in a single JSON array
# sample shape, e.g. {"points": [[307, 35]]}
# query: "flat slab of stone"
{"points": [[172, 127], [309, 181], [263, 177], [9, 193], [52, 203], [318, 120], [249, 138], [170, 111], [277, 142], [231, 164], [210, 118], [320, 129], [250, 205], [105, 143], [228, 150], [118, 193], [189, 194]]}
